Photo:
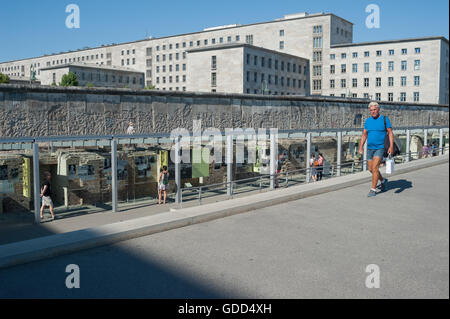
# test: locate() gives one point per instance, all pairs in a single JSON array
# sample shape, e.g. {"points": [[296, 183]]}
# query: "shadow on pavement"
{"points": [[399, 185]]}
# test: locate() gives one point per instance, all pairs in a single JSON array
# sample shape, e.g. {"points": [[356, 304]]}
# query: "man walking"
{"points": [[46, 195], [374, 134]]}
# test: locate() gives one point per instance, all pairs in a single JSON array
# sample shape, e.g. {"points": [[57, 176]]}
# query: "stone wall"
{"points": [[55, 111]]}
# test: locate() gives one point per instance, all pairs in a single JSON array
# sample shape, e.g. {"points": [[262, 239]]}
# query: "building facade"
{"points": [[311, 36], [243, 68], [97, 75], [409, 70]]}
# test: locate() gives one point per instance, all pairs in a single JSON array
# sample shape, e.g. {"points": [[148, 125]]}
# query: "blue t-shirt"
{"points": [[376, 132]]}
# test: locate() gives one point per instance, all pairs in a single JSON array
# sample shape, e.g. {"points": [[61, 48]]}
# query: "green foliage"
{"points": [[53, 84], [4, 78], [150, 87], [89, 85], [69, 80]]}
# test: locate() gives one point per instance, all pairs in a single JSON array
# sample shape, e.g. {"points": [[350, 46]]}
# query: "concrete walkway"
{"points": [[94, 230]]}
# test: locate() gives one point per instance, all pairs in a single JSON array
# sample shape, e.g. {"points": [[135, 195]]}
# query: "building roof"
{"points": [[91, 66], [285, 18], [245, 45], [389, 41]]}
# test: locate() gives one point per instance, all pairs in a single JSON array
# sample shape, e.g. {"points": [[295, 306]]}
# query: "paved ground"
{"points": [[316, 247]]}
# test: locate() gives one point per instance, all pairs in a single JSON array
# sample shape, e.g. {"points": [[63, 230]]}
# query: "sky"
{"points": [[30, 28]]}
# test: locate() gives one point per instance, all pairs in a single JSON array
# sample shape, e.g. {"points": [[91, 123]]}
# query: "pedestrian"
{"points": [[425, 151], [434, 148], [375, 129], [320, 162], [279, 163], [46, 193], [313, 164], [131, 130], [163, 183]]}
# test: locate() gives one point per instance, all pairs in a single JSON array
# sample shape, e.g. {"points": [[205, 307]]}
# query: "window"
{"points": [[390, 81], [417, 50], [366, 95], [276, 64], [355, 54], [332, 56], [184, 67], [355, 83], [270, 63], [404, 66], [281, 45], [366, 54], [391, 52], [354, 67], [390, 97], [248, 58], [379, 53], [317, 70], [331, 84], [332, 69], [317, 29], [403, 96], [391, 66], [343, 68], [248, 39], [378, 96], [213, 62], [416, 65], [317, 56], [366, 67], [378, 82], [404, 51], [149, 51], [255, 60], [317, 85], [343, 83], [378, 66], [317, 42], [229, 38], [403, 81], [282, 66], [366, 82], [213, 79], [416, 97], [417, 80], [281, 33], [343, 55], [255, 77]]}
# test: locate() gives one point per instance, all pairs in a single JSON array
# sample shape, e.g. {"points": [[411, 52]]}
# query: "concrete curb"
{"points": [[51, 246]]}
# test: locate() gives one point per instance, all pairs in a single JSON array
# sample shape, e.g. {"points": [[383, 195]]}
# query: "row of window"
{"points": [[170, 56], [105, 78], [269, 92], [263, 79], [261, 61], [198, 43], [177, 68], [128, 52], [170, 79], [378, 67], [390, 82], [390, 96], [171, 88], [377, 53]]}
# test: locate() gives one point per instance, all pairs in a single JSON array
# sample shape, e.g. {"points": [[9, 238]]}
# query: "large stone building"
{"points": [[243, 68], [97, 75], [311, 36]]}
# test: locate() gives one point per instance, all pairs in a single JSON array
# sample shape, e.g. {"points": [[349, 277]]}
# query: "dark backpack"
{"points": [[387, 143]]}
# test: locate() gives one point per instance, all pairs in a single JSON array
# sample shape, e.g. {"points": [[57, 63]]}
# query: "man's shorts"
{"points": [[47, 201], [162, 187], [375, 153]]}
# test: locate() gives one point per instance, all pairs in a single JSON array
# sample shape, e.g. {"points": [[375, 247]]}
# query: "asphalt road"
{"points": [[318, 247]]}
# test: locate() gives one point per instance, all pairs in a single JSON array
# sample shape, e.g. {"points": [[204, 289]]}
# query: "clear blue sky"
{"points": [[30, 28]]}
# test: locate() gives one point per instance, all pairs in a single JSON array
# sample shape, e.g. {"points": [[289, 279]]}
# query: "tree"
{"points": [[69, 80], [4, 78]]}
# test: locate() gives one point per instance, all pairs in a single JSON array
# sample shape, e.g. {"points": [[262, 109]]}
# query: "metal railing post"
{"points": [[408, 145], [178, 170], [36, 184], [287, 179], [339, 153], [200, 195], [273, 156], [308, 156], [441, 142], [229, 163], [365, 157], [114, 192]]}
